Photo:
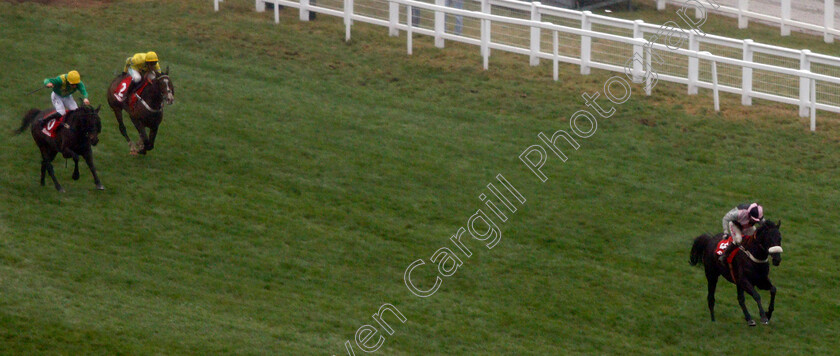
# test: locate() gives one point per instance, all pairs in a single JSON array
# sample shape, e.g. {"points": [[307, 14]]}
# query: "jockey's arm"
{"points": [[737, 235], [54, 81], [83, 90]]}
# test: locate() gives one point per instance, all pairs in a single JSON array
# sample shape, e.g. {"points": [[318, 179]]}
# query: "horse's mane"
{"points": [[767, 225]]}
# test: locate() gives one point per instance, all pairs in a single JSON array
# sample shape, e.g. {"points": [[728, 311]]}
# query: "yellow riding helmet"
{"points": [[73, 77], [151, 57]]}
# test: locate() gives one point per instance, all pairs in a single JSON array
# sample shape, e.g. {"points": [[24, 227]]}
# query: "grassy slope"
{"points": [[297, 176]]}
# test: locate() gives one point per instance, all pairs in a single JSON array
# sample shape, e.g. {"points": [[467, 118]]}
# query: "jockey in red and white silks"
{"points": [[740, 222]]}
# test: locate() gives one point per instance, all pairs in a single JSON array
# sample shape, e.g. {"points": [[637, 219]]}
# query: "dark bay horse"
{"points": [[144, 107], [78, 133], [749, 269]]}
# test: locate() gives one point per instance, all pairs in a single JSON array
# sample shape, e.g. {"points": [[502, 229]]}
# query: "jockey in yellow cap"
{"points": [[63, 87], [136, 67]]}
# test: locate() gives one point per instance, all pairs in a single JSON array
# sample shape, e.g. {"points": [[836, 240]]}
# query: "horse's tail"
{"points": [[698, 248], [27, 121]]}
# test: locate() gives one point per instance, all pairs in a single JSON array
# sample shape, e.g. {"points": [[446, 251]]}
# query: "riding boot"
{"points": [[127, 92], [54, 115]]}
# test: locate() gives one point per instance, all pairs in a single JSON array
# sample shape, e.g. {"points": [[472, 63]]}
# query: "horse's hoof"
{"points": [[75, 176], [100, 187], [61, 190], [751, 322], [765, 321]]}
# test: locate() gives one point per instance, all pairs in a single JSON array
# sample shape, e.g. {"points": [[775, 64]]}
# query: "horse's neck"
{"points": [[756, 249], [153, 94]]}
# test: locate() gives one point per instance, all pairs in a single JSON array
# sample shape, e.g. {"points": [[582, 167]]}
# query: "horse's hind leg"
{"points": [[712, 278], [118, 114]]}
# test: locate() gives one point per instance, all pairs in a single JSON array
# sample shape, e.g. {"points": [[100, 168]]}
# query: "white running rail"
{"points": [[742, 67], [779, 12]]}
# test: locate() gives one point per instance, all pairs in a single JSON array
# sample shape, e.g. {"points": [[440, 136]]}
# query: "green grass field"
{"points": [[297, 177]]}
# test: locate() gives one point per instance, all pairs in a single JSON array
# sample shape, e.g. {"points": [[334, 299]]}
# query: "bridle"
{"points": [[157, 82], [770, 250]]}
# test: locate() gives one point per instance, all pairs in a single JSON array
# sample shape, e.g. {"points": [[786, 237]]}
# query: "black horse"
{"points": [[145, 109], [74, 138], [749, 268]]}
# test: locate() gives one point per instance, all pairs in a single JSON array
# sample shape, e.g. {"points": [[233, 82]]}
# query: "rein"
{"points": [[145, 104], [772, 249], [753, 257]]}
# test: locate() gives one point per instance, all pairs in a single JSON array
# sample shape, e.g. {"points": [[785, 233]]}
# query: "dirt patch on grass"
{"points": [[68, 3]]}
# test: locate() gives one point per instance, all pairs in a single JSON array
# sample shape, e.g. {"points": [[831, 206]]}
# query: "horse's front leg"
{"points": [[144, 139], [152, 135], [772, 302], [748, 287], [75, 166], [88, 156], [46, 164], [741, 302]]}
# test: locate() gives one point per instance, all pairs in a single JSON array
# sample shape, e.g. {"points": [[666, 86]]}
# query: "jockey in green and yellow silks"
{"points": [[63, 87]]}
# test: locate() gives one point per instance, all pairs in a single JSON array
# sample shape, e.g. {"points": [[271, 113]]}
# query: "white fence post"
{"points": [[804, 89], [535, 34], [637, 51], [304, 10], [260, 4], [440, 24], [585, 42], [393, 18], [715, 92], [649, 68], [216, 4], [348, 19], [276, 13], [693, 63], [408, 32], [556, 61], [829, 20], [785, 18], [743, 21], [660, 5], [746, 77], [485, 34], [813, 105]]}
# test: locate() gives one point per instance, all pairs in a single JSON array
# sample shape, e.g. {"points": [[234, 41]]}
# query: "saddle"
{"points": [[125, 89], [50, 127], [723, 244]]}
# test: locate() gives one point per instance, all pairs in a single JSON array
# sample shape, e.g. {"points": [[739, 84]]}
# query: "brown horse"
{"points": [[74, 138], [144, 107], [749, 268]]}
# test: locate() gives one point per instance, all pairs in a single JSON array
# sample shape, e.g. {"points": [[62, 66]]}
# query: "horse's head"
{"points": [[90, 123], [770, 239], [167, 90]]}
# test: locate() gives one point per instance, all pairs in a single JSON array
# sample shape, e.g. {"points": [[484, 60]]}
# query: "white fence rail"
{"points": [[743, 67], [781, 15]]}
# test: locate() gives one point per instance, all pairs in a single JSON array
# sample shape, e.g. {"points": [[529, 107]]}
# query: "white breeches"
{"points": [[738, 234], [63, 104], [135, 75]]}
